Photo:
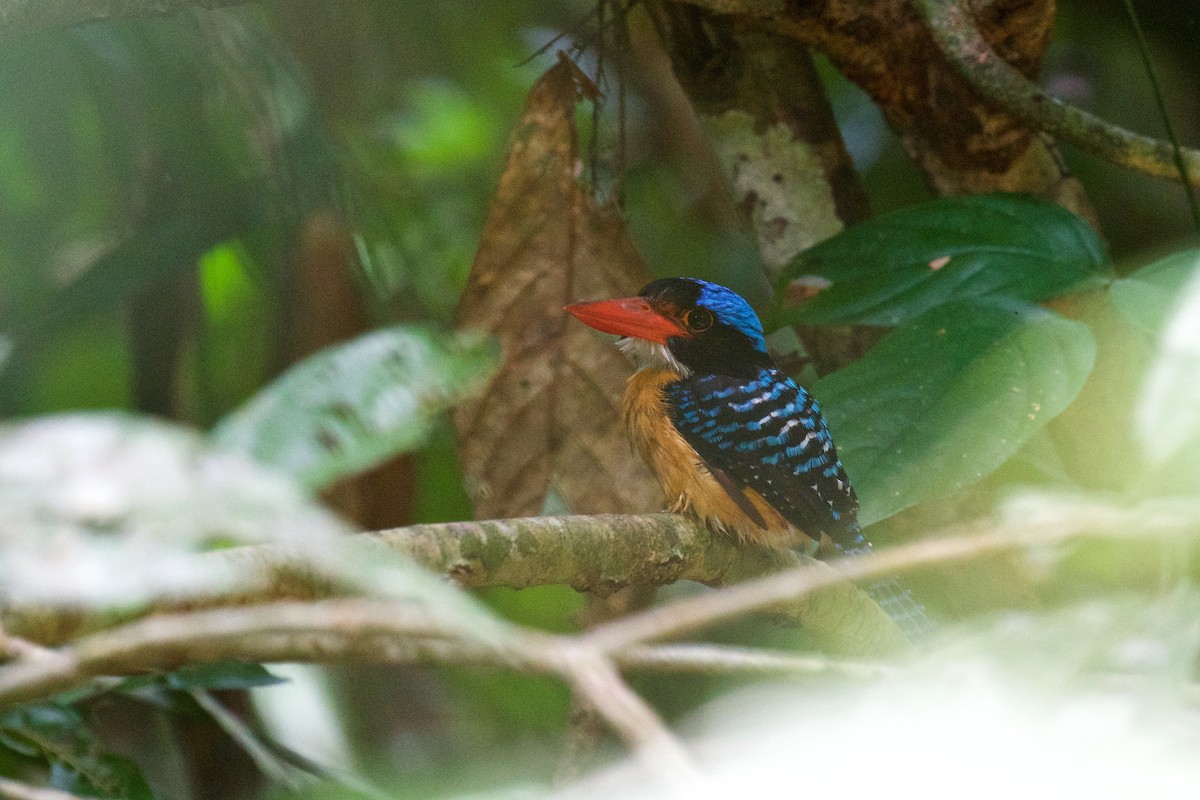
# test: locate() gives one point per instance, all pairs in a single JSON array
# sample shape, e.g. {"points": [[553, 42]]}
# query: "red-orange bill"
{"points": [[627, 316]]}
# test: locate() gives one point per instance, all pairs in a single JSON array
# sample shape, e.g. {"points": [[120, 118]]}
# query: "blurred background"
{"points": [[189, 204]]}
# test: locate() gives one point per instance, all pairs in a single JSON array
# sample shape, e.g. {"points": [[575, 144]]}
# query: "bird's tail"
{"points": [[892, 595], [898, 602]]}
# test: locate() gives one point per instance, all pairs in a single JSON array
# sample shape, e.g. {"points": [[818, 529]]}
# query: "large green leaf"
{"points": [[1167, 414], [902, 264], [353, 405], [949, 397], [1147, 296]]}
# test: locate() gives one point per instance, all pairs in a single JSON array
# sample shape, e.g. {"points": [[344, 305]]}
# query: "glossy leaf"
{"points": [[899, 265], [221, 675], [354, 405], [949, 397]]}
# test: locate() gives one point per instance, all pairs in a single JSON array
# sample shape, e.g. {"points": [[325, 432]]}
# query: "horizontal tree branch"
{"points": [[596, 554], [359, 630], [960, 41], [711, 659], [1037, 526], [404, 632], [391, 630]]}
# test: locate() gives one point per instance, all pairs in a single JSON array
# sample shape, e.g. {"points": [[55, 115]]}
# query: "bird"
{"points": [[732, 439]]}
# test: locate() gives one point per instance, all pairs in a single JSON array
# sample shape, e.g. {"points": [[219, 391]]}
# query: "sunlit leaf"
{"points": [[354, 405], [144, 262], [949, 397], [235, 347], [899, 265], [1167, 414], [1146, 298], [444, 127], [1111, 676], [551, 415], [103, 509]]}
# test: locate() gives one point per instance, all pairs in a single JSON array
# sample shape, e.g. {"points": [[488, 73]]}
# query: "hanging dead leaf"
{"points": [[551, 416]]}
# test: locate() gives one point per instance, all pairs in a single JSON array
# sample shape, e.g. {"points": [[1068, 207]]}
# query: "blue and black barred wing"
{"points": [[767, 434]]}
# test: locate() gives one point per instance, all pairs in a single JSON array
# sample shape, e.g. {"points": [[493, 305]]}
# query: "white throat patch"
{"points": [[651, 354]]}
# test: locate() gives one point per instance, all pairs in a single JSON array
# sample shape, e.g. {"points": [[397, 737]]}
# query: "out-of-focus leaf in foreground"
{"points": [[354, 405], [102, 511], [107, 509], [1147, 297], [1167, 414], [949, 397], [902, 264], [1087, 701], [550, 417]]}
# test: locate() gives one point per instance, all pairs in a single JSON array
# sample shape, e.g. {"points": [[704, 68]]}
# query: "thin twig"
{"points": [[14, 648], [270, 632], [601, 686], [711, 659], [268, 764], [344, 629], [969, 541], [1176, 148], [960, 41]]}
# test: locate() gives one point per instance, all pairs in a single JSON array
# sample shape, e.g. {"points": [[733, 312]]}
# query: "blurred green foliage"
{"points": [[154, 174]]}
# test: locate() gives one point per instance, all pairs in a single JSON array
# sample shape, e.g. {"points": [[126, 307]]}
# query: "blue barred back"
{"points": [[767, 434]]}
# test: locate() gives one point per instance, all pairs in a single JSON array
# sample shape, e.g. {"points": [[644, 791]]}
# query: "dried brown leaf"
{"points": [[551, 416]]}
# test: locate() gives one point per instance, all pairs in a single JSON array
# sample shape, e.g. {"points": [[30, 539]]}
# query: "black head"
{"points": [[705, 328]]}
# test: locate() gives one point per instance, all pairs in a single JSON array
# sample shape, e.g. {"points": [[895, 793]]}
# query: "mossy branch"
{"points": [[596, 554], [960, 41]]}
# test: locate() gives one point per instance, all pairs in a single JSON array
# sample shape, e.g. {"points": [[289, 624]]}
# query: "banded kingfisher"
{"points": [[731, 438]]}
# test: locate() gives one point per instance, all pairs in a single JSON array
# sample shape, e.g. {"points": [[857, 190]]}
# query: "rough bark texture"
{"points": [[730, 63], [962, 142], [599, 554], [773, 129], [956, 33]]}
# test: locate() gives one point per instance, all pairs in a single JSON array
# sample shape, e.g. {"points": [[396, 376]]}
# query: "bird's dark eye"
{"points": [[699, 319]]}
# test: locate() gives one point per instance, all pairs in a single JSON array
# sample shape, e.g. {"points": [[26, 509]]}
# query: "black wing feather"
{"points": [[767, 434]]}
